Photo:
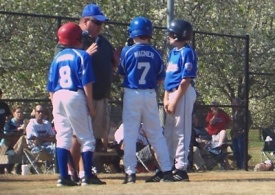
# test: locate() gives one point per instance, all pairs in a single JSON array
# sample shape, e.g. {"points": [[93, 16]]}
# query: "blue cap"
{"points": [[94, 11]]}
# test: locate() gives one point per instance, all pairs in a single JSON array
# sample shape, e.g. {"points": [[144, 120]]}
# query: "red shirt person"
{"points": [[216, 120]]}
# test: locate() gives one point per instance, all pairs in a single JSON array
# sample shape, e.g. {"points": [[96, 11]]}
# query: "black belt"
{"points": [[75, 90]]}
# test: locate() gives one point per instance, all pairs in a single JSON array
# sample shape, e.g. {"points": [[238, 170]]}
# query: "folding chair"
{"points": [[268, 149], [42, 162], [211, 156], [144, 156]]}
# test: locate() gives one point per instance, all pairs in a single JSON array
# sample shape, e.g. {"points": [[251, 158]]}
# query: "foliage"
{"points": [[27, 45]]}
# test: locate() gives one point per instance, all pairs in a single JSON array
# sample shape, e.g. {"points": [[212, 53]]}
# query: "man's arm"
{"points": [[89, 98]]}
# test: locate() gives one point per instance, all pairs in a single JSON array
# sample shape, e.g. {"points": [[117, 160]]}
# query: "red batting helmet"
{"points": [[69, 34]]}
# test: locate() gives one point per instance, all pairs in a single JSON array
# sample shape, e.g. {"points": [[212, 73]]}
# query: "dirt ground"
{"points": [[218, 182]]}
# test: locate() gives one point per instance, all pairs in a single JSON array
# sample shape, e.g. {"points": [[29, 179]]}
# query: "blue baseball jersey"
{"points": [[142, 66], [182, 63], [71, 69]]}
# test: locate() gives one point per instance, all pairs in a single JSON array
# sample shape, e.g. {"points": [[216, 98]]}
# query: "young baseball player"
{"points": [[142, 68], [70, 86], [180, 95]]}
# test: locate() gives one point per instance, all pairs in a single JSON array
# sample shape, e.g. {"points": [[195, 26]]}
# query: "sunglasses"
{"points": [[96, 22], [39, 111]]}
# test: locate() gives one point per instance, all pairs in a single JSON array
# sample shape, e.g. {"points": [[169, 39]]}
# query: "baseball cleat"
{"points": [[92, 180], [168, 176], [156, 178], [65, 182], [180, 175], [129, 179]]}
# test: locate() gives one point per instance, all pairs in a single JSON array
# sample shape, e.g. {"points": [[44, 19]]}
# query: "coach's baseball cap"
{"points": [[94, 11]]}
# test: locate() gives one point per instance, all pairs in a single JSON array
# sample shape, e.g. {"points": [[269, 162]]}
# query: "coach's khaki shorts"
{"points": [[101, 120]]}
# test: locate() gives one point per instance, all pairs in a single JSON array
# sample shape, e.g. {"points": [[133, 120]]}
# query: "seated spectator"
{"points": [[15, 125], [204, 145], [15, 128], [141, 141], [217, 121], [143, 148], [40, 135]]}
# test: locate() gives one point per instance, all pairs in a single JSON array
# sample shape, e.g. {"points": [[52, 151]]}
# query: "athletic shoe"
{"points": [[180, 175], [129, 179], [156, 178], [65, 182], [168, 176], [92, 180], [76, 179]]}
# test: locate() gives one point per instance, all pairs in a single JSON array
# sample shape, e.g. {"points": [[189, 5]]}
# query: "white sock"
{"points": [[81, 174]]}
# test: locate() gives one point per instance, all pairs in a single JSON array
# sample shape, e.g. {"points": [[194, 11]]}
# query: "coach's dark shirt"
{"points": [[102, 62]]}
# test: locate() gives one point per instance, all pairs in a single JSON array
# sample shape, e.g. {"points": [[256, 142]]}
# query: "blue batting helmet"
{"points": [[140, 26]]}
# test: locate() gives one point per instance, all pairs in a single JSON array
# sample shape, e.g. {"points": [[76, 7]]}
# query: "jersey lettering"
{"points": [[65, 77], [146, 66]]}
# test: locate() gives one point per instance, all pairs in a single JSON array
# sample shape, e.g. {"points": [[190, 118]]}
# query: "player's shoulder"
{"points": [[81, 53], [188, 49], [126, 49]]}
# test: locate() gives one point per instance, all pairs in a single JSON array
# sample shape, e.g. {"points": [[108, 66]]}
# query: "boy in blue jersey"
{"points": [[70, 86], [143, 69], [180, 95]]}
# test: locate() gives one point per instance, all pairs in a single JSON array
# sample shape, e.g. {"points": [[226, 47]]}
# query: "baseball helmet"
{"points": [[181, 29], [69, 34], [140, 26]]}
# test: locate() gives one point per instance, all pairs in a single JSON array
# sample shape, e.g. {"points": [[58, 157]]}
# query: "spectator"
{"points": [[217, 121], [40, 134], [202, 144], [141, 140], [15, 127], [238, 131], [143, 147], [17, 124], [5, 112]]}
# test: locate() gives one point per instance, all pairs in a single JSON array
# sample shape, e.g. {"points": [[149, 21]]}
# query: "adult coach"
{"points": [[180, 95], [70, 87], [104, 60]]}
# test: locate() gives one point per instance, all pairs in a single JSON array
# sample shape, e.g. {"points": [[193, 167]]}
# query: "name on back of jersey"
{"points": [[65, 57], [144, 53]]}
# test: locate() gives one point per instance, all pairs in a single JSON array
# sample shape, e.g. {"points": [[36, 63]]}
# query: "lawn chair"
{"points": [[202, 151], [268, 149], [41, 162]]}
